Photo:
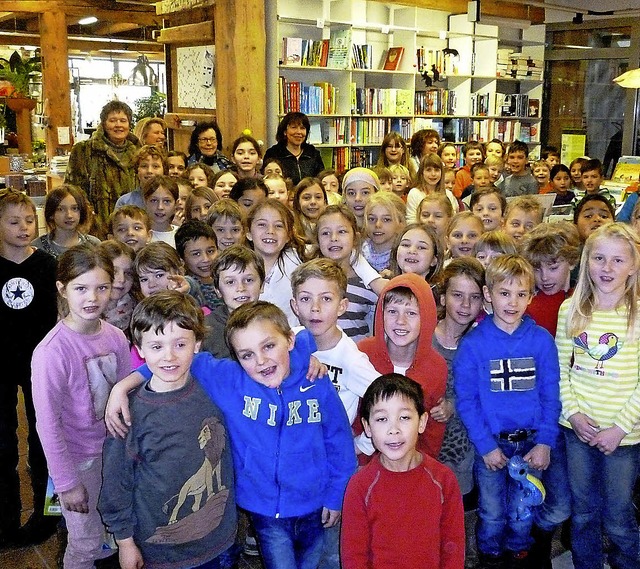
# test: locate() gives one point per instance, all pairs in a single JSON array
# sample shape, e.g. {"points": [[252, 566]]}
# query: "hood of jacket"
{"points": [[428, 313], [428, 368]]}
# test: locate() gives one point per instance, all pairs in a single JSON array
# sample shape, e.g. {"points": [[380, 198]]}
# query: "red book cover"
{"points": [[392, 61]]}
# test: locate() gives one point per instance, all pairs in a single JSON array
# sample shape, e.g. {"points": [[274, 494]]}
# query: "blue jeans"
{"points": [[496, 530], [330, 558], [601, 488], [290, 543], [556, 507]]}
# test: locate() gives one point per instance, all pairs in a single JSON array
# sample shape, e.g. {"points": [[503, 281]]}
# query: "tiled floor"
{"points": [[44, 556]]}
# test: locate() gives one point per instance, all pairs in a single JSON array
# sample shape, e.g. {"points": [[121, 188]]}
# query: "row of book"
{"points": [[370, 101], [517, 105], [461, 129], [371, 131], [435, 102], [480, 104], [348, 131], [430, 60], [362, 57], [345, 158], [337, 52], [317, 99], [333, 52]]}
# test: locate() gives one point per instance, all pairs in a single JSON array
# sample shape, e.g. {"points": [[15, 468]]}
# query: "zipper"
{"points": [[280, 426]]}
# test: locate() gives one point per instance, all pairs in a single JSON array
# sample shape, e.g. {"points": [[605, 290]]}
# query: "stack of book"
{"points": [[525, 67], [503, 65], [303, 52]]}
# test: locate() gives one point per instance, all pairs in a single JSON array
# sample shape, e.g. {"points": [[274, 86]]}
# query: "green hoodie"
{"points": [[101, 172]]}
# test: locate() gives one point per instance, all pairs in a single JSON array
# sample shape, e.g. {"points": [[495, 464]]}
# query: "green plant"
{"points": [[151, 106], [19, 71]]}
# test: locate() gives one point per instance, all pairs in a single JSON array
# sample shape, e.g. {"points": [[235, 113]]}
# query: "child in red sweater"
{"points": [[402, 494]]}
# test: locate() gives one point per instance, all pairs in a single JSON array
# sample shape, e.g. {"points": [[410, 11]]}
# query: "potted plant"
{"points": [[17, 73]]}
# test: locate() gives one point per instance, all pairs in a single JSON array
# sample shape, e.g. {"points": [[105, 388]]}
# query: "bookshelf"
{"points": [[328, 60]]}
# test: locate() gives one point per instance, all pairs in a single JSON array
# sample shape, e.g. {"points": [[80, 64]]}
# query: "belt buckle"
{"points": [[517, 436]]}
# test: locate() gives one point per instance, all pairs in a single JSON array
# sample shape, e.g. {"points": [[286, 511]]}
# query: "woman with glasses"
{"points": [[206, 140], [299, 158]]}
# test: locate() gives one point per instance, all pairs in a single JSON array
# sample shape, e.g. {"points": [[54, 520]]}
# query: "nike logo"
{"points": [[303, 389]]}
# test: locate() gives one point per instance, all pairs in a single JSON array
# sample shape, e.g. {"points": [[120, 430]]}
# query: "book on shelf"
{"points": [[315, 133], [436, 101], [534, 108], [295, 96], [429, 59], [480, 104], [508, 105], [369, 130], [292, 51], [393, 58], [362, 56], [339, 48], [315, 53], [372, 101]]}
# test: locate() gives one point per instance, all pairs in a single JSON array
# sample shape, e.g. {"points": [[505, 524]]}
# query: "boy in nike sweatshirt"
{"points": [[290, 438]]}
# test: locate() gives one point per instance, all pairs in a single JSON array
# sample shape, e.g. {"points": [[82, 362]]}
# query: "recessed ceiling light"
{"points": [[88, 20]]}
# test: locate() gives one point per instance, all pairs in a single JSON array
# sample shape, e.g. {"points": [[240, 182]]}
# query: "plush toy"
{"points": [[528, 492]]}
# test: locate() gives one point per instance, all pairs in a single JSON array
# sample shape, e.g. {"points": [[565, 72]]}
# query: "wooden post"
{"points": [[22, 107], [240, 41], [55, 78]]}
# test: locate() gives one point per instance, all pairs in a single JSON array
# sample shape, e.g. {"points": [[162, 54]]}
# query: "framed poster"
{"points": [[196, 77]]}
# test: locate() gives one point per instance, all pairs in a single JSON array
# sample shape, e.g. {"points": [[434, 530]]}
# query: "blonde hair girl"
{"points": [[598, 345]]}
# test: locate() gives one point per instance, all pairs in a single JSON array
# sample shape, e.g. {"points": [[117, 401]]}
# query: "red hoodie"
{"points": [[429, 368]]}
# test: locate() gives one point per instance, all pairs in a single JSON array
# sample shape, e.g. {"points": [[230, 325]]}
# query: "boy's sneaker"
{"points": [[251, 546], [519, 560]]}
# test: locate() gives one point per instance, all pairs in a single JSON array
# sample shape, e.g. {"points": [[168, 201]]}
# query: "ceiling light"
{"points": [[88, 20]]}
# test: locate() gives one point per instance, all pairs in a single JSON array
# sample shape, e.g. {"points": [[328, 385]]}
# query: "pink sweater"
{"points": [[72, 375]]}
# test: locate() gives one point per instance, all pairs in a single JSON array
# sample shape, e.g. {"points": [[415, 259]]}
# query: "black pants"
{"points": [[10, 504]]}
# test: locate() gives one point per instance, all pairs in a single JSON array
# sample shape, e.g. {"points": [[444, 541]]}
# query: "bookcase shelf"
{"points": [[469, 59]]}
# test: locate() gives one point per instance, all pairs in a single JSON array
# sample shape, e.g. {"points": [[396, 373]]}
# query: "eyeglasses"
{"points": [[208, 140]]}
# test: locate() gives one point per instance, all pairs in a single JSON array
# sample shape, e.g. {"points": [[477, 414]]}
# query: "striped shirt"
{"points": [[357, 321], [599, 372]]}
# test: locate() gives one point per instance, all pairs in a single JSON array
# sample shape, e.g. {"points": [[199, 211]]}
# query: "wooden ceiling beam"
{"points": [[108, 29], [85, 45], [488, 7], [143, 17]]}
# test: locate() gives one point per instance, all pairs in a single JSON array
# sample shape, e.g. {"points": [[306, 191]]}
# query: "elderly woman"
{"points": [[103, 165], [151, 131], [206, 140], [299, 159]]}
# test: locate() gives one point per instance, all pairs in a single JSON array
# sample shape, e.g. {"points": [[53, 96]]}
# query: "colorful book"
{"points": [[393, 58], [339, 48], [292, 51]]}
